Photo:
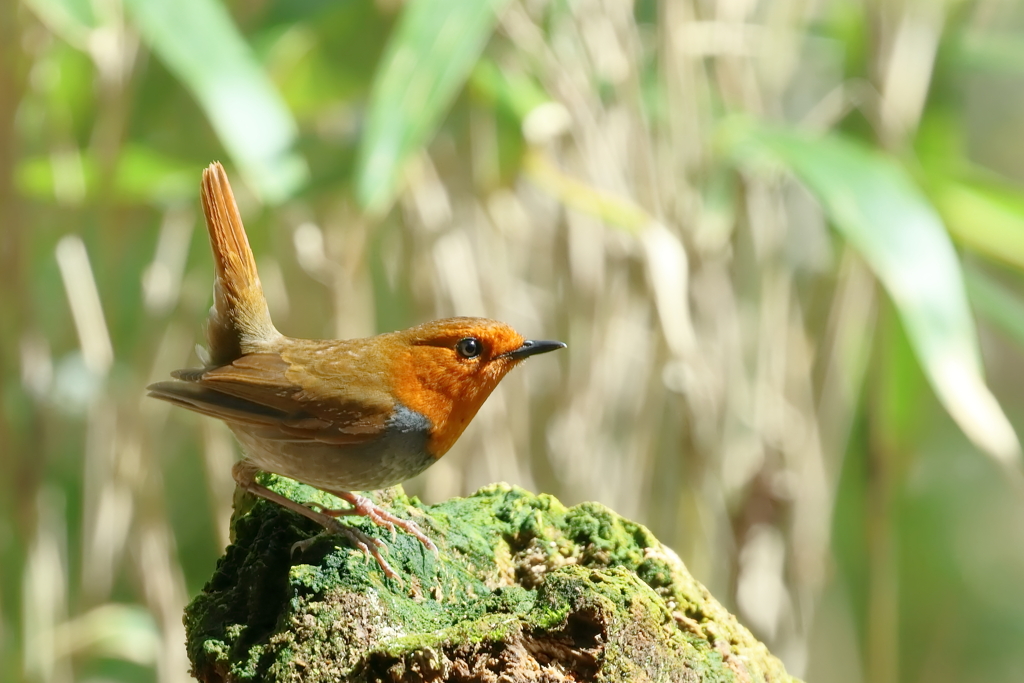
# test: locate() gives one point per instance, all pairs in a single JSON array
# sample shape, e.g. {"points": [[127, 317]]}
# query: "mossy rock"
{"points": [[523, 589]]}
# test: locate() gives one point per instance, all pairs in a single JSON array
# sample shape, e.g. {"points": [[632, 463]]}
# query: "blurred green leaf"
{"points": [[990, 52], [874, 204], [200, 44], [996, 303], [142, 175], [72, 20], [42, 177], [126, 632], [613, 210], [516, 93], [145, 174], [986, 220], [427, 60]]}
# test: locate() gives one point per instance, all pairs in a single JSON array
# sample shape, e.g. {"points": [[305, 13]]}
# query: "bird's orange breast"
{"points": [[448, 399]]}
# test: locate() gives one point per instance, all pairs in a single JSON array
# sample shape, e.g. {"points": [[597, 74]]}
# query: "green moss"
{"points": [[522, 586]]}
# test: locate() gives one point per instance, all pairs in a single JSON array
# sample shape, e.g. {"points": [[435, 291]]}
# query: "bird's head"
{"points": [[452, 366]]}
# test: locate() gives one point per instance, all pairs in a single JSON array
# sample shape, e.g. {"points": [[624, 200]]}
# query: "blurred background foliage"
{"points": [[784, 240]]}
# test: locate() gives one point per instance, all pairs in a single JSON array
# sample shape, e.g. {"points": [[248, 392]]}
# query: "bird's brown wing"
{"points": [[266, 391]]}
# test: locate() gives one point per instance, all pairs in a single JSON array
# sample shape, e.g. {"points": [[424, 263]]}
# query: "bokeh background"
{"points": [[784, 240]]}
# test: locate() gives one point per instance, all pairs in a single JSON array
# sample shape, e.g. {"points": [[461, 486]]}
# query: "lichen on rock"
{"points": [[523, 589]]}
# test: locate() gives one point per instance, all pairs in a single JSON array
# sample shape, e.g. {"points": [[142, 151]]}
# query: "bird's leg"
{"points": [[361, 505], [244, 474]]}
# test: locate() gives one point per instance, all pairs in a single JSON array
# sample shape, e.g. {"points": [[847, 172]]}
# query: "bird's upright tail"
{"points": [[239, 320]]}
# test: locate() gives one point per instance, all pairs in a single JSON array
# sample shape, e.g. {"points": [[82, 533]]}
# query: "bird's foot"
{"points": [[243, 473], [369, 545], [361, 505]]}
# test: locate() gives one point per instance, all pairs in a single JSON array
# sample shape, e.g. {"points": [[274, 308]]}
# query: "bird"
{"points": [[339, 415]]}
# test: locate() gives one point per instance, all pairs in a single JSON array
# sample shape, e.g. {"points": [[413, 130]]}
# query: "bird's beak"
{"points": [[532, 348]]}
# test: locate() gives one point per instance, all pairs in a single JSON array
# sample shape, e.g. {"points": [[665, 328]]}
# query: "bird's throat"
{"points": [[445, 398]]}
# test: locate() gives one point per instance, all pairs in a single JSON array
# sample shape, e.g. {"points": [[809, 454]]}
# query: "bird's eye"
{"points": [[470, 347]]}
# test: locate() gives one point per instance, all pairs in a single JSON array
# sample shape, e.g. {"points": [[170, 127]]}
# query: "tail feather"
{"points": [[239, 320]]}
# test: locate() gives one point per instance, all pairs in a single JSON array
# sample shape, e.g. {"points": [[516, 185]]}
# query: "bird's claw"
{"points": [[383, 518], [368, 545], [363, 506], [300, 547]]}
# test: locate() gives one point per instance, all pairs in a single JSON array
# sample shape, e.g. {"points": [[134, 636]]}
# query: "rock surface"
{"points": [[523, 589]]}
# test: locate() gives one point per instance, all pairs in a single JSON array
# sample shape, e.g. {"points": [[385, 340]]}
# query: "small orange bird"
{"points": [[339, 415]]}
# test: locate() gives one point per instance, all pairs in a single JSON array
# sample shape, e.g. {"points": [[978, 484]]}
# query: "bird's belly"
{"points": [[397, 454]]}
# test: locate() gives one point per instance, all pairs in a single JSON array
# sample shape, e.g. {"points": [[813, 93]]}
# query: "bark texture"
{"points": [[524, 589]]}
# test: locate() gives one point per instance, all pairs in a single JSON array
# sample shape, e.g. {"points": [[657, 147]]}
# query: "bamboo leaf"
{"points": [[200, 44], [993, 52], [985, 220], [877, 208], [72, 20], [997, 303], [427, 60]]}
